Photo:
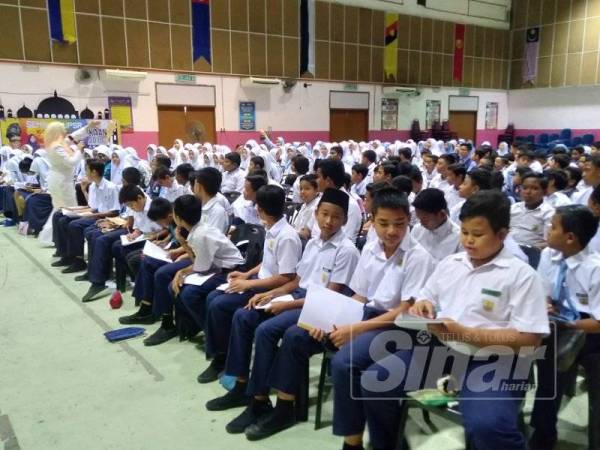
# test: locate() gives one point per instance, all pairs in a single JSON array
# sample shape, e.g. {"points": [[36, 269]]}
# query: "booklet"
{"points": [[154, 251], [283, 298], [412, 322], [324, 308], [197, 279], [125, 242]]}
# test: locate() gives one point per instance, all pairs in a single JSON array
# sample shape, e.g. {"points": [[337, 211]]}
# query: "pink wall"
{"points": [[488, 135], [139, 140], [232, 138], [389, 135]]}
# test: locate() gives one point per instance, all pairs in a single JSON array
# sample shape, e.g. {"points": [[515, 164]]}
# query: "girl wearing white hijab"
{"points": [[117, 164], [503, 149], [151, 151]]}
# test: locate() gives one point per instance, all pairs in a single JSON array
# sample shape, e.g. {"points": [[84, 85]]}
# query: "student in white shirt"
{"points": [[303, 221], [300, 167], [570, 271], [281, 252], [594, 205], [485, 297], [369, 159], [331, 174], [359, 180], [435, 231], [328, 260], [233, 176], [205, 186], [429, 169], [455, 177], [557, 183], [475, 181], [169, 187], [530, 219], [103, 201], [590, 178], [244, 208], [440, 181], [210, 251]]}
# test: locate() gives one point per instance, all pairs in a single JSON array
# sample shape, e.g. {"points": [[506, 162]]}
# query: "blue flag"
{"points": [[201, 29]]}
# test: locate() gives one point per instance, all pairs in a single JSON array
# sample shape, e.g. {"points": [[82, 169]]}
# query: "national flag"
{"points": [[532, 47], [62, 20], [201, 29], [390, 51], [307, 37], [459, 50]]}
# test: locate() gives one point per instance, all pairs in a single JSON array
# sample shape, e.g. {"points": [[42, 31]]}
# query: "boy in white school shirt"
{"points": [[485, 297], [329, 260], [476, 180], [281, 252], [205, 186], [530, 218], [209, 251], [590, 179], [435, 231], [169, 187], [304, 220], [594, 205], [244, 207], [557, 183], [233, 176], [570, 271], [359, 180]]}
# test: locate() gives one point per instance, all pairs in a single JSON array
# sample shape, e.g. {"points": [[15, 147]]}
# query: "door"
{"points": [[464, 124], [347, 124], [190, 124]]}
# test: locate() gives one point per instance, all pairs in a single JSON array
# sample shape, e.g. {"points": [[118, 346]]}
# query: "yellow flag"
{"points": [[67, 18], [390, 52]]}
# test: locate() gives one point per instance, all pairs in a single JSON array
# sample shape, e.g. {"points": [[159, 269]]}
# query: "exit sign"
{"points": [[185, 78]]}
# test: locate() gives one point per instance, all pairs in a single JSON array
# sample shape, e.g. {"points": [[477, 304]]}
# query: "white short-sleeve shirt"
{"points": [[385, 282], [333, 261], [142, 222], [441, 242], [212, 249], [175, 191], [104, 197], [581, 196], [353, 225], [214, 215], [233, 181], [503, 293], [557, 199], [583, 278], [305, 217], [530, 226], [282, 250]]}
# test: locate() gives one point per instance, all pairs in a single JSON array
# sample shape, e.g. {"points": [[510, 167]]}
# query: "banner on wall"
{"points": [[307, 37], [32, 131], [459, 50], [389, 113], [532, 46], [120, 110], [201, 29], [390, 51], [247, 116], [491, 116], [433, 112]]}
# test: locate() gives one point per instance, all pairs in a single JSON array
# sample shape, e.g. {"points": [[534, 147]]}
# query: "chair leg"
{"points": [[302, 398], [320, 389]]}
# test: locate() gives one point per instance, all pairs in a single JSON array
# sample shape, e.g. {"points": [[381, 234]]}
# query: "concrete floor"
{"points": [[63, 386]]}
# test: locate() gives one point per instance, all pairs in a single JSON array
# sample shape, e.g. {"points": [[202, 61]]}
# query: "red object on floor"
{"points": [[116, 300]]}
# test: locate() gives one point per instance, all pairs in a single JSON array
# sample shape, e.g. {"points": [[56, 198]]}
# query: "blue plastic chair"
{"points": [[554, 137], [588, 139], [577, 140], [543, 139]]}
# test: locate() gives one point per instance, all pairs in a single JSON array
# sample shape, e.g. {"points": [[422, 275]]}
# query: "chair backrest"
{"points": [[554, 137], [588, 139], [544, 138], [566, 133], [249, 239], [577, 140]]}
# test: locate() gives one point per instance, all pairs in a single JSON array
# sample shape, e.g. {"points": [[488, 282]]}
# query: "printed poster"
{"points": [[121, 111], [491, 116], [389, 113], [433, 112], [247, 116]]}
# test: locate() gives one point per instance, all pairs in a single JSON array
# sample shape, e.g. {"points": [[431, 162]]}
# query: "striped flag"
{"points": [[307, 37], [459, 50], [532, 46], [201, 29], [62, 21], [390, 52]]}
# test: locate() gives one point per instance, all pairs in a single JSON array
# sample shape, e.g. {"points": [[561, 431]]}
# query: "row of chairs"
{"points": [[548, 141]]}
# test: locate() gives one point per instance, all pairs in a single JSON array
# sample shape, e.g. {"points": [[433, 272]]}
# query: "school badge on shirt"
{"points": [[490, 299], [271, 244], [583, 299], [325, 275]]}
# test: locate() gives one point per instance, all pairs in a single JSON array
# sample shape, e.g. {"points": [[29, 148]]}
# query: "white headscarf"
{"points": [[116, 171], [151, 151]]}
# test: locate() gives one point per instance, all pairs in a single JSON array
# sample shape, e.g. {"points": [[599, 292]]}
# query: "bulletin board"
{"points": [[121, 111]]}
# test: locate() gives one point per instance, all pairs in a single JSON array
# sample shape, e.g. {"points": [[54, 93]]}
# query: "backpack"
{"points": [[249, 239]]}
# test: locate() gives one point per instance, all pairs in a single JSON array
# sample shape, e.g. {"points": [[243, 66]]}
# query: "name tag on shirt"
{"points": [[325, 275], [490, 298]]}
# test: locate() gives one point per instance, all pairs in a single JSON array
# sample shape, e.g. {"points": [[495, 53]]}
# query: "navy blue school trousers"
{"points": [[265, 330], [490, 415], [76, 236], [153, 280], [99, 253], [38, 208], [192, 298], [60, 230], [551, 388]]}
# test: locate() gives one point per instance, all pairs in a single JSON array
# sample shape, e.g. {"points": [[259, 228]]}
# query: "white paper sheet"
{"points": [[125, 242], [283, 298], [224, 287], [154, 251], [324, 308], [196, 279]]}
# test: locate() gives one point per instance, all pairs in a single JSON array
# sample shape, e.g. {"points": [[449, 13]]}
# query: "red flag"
{"points": [[459, 51]]}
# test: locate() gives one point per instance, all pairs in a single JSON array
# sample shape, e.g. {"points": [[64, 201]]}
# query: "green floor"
{"points": [[62, 386]]}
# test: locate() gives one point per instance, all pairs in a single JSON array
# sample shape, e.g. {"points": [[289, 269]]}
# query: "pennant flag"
{"points": [[459, 51], [390, 52], [307, 37], [201, 29], [532, 46], [62, 20]]}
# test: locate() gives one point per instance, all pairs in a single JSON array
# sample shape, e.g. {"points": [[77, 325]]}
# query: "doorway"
{"points": [[464, 124], [188, 123], [347, 124]]}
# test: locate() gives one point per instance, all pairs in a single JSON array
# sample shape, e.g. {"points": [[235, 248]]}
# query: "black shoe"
{"points": [[55, 255], [62, 262], [93, 291], [274, 422], [212, 372], [138, 318], [82, 277], [252, 414], [77, 266], [233, 399], [160, 336]]}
